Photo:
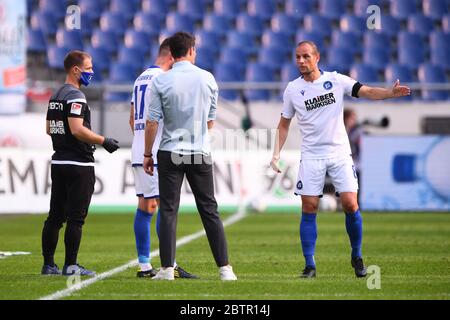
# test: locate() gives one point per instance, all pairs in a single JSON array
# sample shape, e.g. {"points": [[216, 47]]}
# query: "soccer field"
{"points": [[412, 251]]}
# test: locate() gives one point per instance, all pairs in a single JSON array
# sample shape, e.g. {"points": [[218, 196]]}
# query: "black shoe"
{"points": [[76, 269], [146, 274], [358, 265], [48, 270], [183, 274], [308, 272]]}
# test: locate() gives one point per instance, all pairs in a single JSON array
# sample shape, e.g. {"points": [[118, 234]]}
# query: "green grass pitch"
{"points": [[411, 249]]}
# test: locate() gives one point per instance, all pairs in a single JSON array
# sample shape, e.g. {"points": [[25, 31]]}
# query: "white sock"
{"points": [[145, 266]]}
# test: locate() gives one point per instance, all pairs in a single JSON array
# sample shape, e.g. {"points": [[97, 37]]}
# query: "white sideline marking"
{"points": [[83, 284]]}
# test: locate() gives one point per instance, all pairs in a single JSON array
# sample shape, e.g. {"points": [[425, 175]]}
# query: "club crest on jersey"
{"points": [[302, 92], [75, 108], [327, 85]]}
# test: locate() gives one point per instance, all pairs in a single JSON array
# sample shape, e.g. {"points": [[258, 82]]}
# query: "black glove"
{"points": [[110, 145]]}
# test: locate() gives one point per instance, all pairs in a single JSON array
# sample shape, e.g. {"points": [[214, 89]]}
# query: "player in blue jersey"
{"points": [[316, 98], [146, 186]]}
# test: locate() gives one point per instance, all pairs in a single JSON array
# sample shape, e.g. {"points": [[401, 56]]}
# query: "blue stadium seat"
{"points": [[93, 9], [36, 41], [138, 39], [351, 23], [179, 22], [360, 6], [377, 40], [289, 72], [241, 39], [262, 8], [377, 57], [390, 25], [340, 57], [332, 9], [411, 56], [435, 9], [147, 22], [126, 8], [71, 39], [396, 71], [55, 56], [87, 25], [45, 21], [228, 8], [205, 59], [208, 39], [193, 8], [120, 73], [114, 22], [257, 72], [228, 72], [430, 73], [328, 67], [420, 24], [159, 7], [285, 23], [402, 9], [403, 73], [101, 59], [56, 7], [364, 73], [318, 23], [132, 56], [446, 23], [278, 39], [410, 40], [220, 24], [346, 40], [105, 39], [273, 57], [299, 8], [316, 37], [248, 23], [440, 48], [234, 55]]}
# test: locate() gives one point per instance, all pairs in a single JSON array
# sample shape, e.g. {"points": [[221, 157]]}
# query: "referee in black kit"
{"points": [[185, 97], [72, 169]]}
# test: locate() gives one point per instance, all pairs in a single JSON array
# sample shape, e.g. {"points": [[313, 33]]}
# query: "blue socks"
{"points": [[308, 237], [142, 234], [353, 224]]}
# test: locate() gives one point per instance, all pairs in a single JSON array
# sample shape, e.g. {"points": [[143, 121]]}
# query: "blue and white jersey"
{"points": [[319, 108], [141, 102]]}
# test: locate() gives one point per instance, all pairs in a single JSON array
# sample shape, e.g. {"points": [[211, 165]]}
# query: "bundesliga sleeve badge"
{"points": [[75, 108]]}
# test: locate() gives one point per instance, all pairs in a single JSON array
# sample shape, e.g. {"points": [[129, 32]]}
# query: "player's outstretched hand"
{"points": [[274, 164], [110, 145], [400, 91], [148, 165]]}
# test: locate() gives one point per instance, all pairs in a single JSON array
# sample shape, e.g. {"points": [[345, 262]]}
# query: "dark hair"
{"points": [[311, 43], [75, 58], [180, 43], [164, 47], [348, 113]]}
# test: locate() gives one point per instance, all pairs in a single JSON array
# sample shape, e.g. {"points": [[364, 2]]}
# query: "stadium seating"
{"points": [[55, 56], [403, 73], [364, 73], [120, 73], [299, 8], [71, 39], [253, 32], [435, 8], [228, 72], [429, 73], [257, 72]]}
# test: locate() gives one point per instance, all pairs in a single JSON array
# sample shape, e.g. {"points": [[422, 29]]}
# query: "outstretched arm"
{"points": [[374, 93]]}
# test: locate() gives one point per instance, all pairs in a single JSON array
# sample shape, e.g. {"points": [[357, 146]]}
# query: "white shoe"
{"points": [[165, 274], [226, 273]]}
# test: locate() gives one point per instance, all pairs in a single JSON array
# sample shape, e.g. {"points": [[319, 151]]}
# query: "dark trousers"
{"points": [[200, 178], [72, 189]]}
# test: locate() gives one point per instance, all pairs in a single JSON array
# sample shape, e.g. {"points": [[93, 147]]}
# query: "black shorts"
{"points": [[72, 189]]}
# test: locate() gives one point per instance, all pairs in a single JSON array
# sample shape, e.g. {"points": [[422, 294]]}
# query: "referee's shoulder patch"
{"points": [[75, 108]]}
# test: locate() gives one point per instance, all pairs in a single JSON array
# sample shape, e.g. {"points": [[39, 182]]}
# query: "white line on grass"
{"points": [[83, 284]]}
